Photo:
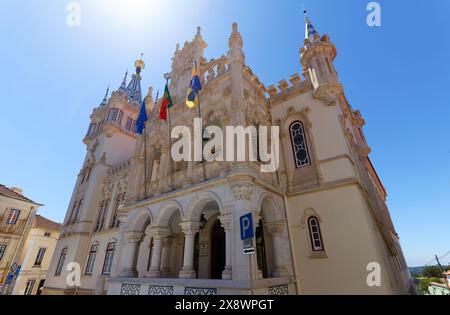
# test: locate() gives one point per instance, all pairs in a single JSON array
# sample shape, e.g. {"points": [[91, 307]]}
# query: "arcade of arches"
{"points": [[163, 245]]}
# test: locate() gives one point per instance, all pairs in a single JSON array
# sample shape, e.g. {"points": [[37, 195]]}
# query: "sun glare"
{"points": [[133, 12]]}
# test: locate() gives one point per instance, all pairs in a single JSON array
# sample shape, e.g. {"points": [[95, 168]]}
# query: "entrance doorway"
{"points": [[217, 257], [261, 250]]}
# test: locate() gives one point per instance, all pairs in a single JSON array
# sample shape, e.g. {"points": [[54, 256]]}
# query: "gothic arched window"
{"points": [[62, 259], [112, 115], [299, 144], [315, 234]]}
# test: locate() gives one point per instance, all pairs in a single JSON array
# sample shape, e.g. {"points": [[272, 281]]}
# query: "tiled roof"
{"points": [[5, 191], [43, 223]]}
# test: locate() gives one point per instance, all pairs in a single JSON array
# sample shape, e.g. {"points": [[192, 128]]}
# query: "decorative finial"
{"points": [[306, 14], [139, 64], [199, 31], [235, 27]]}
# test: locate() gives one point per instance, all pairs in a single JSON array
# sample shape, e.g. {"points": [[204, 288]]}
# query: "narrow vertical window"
{"points": [[61, 261], [2, 251], [29, 287], [115, 216], [112, 115], [91, 259], [101, 215], [119, 117], [88, 175], [107, 265], [299, 145], [39, 257], [129, 124], [315, 234], [77, 211], [74, 208]]}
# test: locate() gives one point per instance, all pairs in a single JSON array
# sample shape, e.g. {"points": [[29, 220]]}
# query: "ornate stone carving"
{"points": [[242, 191], [200, 291], [130, 289], [134, 237], [160, 290], [328, 93], [189, 228], [226, 220], [279, 290]]}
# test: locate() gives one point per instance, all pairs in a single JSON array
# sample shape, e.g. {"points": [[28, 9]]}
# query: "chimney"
{"points": [[17, 190]]}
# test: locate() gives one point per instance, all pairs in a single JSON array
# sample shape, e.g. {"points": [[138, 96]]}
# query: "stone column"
{"points": [[132, 242], [189, 229], [165, 257], [155, 267], [226, 220], [276, 230]]}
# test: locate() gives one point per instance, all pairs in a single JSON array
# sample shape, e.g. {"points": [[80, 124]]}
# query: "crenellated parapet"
{"points": [[285, 90]]}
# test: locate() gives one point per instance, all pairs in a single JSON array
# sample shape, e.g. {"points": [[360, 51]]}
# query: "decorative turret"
{"points": [[236, 59], [317, 57], [134, 88]]}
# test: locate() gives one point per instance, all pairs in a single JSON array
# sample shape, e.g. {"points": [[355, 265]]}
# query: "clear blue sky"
{"points": [[398, 75]]}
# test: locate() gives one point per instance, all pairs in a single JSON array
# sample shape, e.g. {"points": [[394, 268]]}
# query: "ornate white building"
{"points": [[321, 219]]}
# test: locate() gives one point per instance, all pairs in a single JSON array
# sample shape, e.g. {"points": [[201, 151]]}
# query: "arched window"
{"points": [[112, 115], [72, 213], [299, 145], [77, 212], [102, 215], [91, 259], [315, 234], [61, 261], [110, 249], [119, 117]]}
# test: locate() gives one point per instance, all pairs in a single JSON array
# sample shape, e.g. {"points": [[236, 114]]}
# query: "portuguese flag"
{"points": [[166, 104]]}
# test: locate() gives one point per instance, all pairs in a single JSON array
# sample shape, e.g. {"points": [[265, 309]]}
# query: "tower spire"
{"points": [[105, 99], [123, 86], [133, 89]]}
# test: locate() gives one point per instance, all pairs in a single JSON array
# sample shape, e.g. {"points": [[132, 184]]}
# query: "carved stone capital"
{"points": [[158, 233], [226, 220], [134, 237], [189, 228]]}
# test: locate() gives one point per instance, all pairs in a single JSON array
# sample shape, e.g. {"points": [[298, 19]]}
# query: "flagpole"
{"points": [[145, 161], [171, 168], [200, 116]]}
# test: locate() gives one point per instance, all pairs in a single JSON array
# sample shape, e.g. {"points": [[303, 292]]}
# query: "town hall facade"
{"points": [[140, 224]]}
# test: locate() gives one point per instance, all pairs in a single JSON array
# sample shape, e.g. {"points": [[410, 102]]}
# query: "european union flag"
{"points": [[142, 119], [192, 98]]}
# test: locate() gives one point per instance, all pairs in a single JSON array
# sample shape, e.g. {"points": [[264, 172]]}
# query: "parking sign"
{"points": [[246, 223]]}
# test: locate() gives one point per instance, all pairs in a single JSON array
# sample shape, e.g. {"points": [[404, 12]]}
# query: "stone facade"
{"points": [[173, 228]]}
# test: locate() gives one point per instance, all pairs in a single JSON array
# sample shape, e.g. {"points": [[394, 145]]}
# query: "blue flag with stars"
{"points": [[142, 119]]}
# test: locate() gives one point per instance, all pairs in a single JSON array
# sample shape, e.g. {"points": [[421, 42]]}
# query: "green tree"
{"points": [[432, 272]]}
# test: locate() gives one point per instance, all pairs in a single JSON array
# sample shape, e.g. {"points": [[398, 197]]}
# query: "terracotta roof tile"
{"points": [[5, 191], [44, 223]]}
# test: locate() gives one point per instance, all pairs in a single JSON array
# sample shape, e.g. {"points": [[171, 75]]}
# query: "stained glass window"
{"points": [[299, 145]]}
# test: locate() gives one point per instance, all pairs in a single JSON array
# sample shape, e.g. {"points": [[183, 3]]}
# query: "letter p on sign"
{"points": [[246, 223]]}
